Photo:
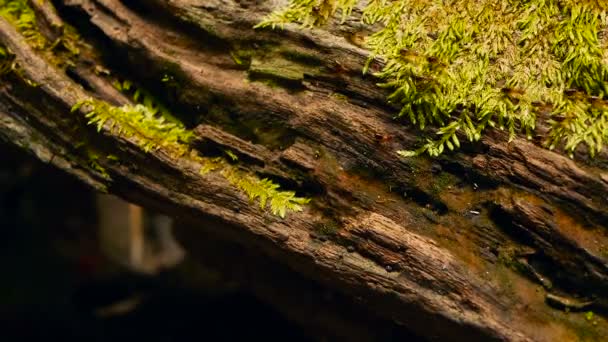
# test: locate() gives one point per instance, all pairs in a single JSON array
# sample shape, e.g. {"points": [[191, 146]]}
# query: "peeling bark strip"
{"points": [[478, 245]]}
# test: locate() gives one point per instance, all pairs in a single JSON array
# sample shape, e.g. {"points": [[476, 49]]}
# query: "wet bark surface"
{"points": [[498, 241]]}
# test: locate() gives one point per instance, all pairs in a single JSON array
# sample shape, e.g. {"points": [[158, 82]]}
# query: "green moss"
{"points": [[20, 14], [464, 66], [61, 52], [142, 96], [265, 191], [87, 154], [242, 57], [233, 157], [93, 157], [587, 328], [148, 123], [152, 131], [112, 157]]}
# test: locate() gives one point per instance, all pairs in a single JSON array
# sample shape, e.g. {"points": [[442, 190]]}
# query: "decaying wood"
{"points": [[465, 247]]}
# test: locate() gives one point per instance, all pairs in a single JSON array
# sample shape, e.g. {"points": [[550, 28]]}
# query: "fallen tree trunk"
{"points": [[499, 241]]}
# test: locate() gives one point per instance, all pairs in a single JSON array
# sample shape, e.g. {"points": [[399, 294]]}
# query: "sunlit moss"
{"points": [[265, 191], [462, 66], [144, 97], [20, 14], [152, 131], [140, 122], [61, 52]]}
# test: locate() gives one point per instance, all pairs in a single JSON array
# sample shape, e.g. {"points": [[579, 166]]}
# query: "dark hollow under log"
{"points": [[498, 241]]}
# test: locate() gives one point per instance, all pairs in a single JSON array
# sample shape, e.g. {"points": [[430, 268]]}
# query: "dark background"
{"points": [[54, 277]]}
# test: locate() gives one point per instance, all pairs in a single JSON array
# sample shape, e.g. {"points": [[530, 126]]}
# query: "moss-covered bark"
{"points": [[463, 246]]}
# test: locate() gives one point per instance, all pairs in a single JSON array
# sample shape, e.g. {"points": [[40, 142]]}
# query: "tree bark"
{"points": [[497, 241]]}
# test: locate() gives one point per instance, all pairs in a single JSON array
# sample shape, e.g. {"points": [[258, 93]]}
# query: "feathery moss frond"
{"points": [[144, 97], [152, 131], [265, 190], [462, 66]]}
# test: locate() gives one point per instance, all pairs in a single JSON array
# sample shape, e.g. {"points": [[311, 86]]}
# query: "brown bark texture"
{"points": [[497, 241]]}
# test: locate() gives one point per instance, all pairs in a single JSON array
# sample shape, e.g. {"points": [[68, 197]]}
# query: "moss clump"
{"points": [[152, 131], [61, 52], [142, 96], [22, 16], [265, 191], [463, 66]]}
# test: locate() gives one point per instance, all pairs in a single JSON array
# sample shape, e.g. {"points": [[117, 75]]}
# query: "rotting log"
{"points": [[498, 241]]}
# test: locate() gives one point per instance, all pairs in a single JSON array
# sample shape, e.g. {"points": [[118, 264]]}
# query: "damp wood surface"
{"points": [[498, 241]]}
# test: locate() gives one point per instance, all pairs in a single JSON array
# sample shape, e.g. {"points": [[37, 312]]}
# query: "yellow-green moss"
{"points": [[152, 131], [61, 52], [142, 96], [20, 14], [140, 122], [264, 190], [463, 66]]}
